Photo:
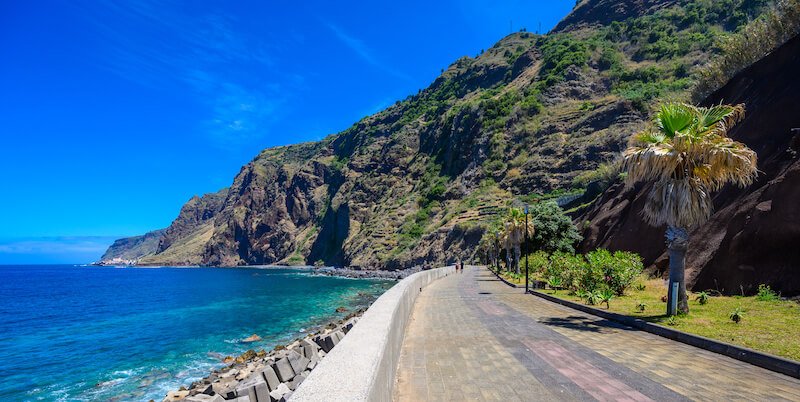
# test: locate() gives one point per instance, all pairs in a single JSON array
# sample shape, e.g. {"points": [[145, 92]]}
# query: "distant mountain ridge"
{"points": [[420, 181]]}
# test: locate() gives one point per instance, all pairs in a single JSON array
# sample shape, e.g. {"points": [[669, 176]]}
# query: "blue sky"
{"points": [[113, 114]]}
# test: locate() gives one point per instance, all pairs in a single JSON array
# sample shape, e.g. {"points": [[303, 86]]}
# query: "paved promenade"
{"points": [[471, 337]]}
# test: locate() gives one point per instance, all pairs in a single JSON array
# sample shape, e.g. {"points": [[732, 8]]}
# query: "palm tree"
{"points": [[508, 246], [498, 243], [687, 155], [515, 234], [485, 245]]}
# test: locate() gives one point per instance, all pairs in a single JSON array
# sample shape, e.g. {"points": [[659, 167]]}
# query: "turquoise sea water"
{"points": [[76, 333]]}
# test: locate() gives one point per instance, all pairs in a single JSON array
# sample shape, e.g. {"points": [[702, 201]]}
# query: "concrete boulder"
{"points": [[204, 398], [176, 395], [296, 381], [269, 376], [298, 362], [283, 368], [279, 392], [256, 390]]}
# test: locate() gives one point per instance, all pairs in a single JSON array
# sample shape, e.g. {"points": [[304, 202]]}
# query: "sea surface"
{"points": [[78, 333]]}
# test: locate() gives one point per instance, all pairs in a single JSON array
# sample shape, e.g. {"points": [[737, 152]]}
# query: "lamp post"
{"points": [[526, 248]]}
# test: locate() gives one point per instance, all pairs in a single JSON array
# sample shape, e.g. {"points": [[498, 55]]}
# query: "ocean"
{"points": [[78, 333]]}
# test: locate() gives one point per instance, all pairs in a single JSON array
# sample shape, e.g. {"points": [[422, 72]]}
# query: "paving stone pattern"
{"points": [[471, 337]]}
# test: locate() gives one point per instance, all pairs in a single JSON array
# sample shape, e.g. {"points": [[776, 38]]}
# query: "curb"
{"points": [[504, 280], [760, 359]]}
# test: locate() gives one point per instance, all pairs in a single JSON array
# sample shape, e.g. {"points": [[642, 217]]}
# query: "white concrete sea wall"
{"points": [[362, 366]]}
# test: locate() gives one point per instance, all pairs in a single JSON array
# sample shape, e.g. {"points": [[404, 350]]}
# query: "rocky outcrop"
{"points": [[751, 238], [194, 214], [133, 248]]}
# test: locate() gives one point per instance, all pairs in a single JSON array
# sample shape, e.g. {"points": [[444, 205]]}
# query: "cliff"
{"points": [[419, 181], [751, 239]]}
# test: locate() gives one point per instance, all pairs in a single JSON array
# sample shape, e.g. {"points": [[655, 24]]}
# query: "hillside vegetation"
{"points": [[419, 181]]}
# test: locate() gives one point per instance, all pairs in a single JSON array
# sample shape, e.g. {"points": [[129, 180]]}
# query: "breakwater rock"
{"points": [[260, 376], [367, 273]]}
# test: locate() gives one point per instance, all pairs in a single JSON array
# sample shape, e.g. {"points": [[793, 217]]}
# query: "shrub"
{"points": [[591, 277], [559, 52], [605, 174], [592, 298], [750, 44], [765, 293], [736, 315], [538, 261], [617, 271], [641, 307], [640, 287], [567, 267], [554, 282], [553, 230], [605, 296], [702, 298]]}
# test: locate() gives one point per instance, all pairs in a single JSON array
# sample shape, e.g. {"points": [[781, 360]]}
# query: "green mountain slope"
{"points": [[419, 181]]}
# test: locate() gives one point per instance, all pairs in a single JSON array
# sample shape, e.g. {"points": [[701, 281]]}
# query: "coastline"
{"points": [[235, 379], [342, 272], [274, 374]]}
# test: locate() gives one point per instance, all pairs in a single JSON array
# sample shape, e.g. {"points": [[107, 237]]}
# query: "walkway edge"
{"points": [[513, 285], [363, 365], [760, 359]]}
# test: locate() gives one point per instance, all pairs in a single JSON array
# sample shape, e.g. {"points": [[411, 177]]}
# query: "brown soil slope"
{"points": [[754, 236]]}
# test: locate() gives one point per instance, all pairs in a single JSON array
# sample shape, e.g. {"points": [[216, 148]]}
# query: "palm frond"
{"points": [[654, 162], [675, 117], [729, 162], [679, 203], [719, 120], [688, 154]]}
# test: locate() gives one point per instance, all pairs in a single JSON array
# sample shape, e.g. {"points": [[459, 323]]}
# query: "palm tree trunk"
{"points": [[516, 257], [677, 243]]}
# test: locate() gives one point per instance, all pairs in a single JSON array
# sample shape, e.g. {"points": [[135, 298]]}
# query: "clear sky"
{"points": [[113, 114]]}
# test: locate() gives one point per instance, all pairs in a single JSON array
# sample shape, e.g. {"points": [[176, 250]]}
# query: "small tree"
{"points": [[515, 235], [554, 229], [686, 154]]}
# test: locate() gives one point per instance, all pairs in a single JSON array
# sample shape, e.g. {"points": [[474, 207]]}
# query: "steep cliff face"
{"points": [[131, 248], [419, 181], [751, 239]]}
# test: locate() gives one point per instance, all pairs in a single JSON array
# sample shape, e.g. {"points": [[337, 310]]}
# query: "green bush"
{"points": [[560, 51], [750, 44], [597, 271], [538, 262], [736, 315], [567, 267], [765, 293], [553, 230], [702, 298], [591, 278]]}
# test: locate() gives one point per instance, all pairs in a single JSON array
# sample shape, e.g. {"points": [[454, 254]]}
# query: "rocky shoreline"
{"points": [[366, 274], [261, 376]]}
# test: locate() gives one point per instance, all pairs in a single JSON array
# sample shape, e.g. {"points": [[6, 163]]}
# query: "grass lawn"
{"points": [[767, 326], [513, 278]]}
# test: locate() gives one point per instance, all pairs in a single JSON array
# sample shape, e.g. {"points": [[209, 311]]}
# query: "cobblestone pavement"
{"points": [[471, 337]]}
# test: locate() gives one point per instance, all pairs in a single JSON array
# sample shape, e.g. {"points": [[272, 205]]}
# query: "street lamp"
{"points": [[526, 248]]}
